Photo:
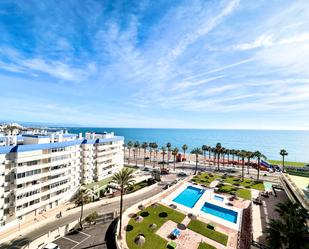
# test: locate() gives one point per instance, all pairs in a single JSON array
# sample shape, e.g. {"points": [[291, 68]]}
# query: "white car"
{"points": [[51, 246]]}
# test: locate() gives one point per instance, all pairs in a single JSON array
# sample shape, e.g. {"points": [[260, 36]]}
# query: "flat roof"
{"points": [[302, 183], [31, 147]]}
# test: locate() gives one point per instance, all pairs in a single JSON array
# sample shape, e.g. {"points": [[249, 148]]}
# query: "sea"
{"points": [[269, 142]]}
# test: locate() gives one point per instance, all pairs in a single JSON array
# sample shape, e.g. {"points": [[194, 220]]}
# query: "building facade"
{"points": [[41, 171]]}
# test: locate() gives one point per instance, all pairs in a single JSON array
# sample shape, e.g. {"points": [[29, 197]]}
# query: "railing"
{"points": [[259, 245]]}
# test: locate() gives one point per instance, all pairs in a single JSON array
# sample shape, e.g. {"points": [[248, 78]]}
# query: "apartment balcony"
{"points": [[27, 199], [28, 209], [30, 187]]}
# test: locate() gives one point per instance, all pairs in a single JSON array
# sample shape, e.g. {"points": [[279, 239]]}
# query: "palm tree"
{"points": [[169, 149], [155, 147], [175, 153], [242, 154], [196, 152], [218, 152], [129, 145], [184, 148], [163, 154], [233, 153], [249, 155], [156, 161], [283, 153], [136, 148], [145, 146], [83, 197], [290, 229], [204, 149], [259, 156], [237, 154], [124, 179]]}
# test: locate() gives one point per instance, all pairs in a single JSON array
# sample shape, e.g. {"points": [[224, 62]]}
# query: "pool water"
{"points": [[268, 185], [220, 212], [218, 198], [189, 196]]}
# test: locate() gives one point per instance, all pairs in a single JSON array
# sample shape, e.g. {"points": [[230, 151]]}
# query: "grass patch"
{"points": [[99, 183], [155, 216], [204, 178], [287, 163], [247, 183], [201, 228], [204, 245], [259, 186], [137, 186], [244, 193]]}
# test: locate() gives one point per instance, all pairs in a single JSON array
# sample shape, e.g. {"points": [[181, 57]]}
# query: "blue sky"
{"points": [[193, 64]]}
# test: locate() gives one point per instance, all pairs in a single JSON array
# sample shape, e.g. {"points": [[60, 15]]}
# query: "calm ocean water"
{"points": [[268, 142]]}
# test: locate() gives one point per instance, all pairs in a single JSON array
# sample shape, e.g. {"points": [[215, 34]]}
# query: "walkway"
{"points": [[36, 229]]}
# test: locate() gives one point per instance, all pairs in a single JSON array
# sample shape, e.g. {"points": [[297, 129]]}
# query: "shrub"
{"points": [[210, 227]]}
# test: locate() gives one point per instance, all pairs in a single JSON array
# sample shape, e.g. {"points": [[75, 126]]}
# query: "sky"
{"points": [[230, 64]]}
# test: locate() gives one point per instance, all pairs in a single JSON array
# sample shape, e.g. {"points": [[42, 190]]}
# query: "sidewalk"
{"points": [[50, 216]]}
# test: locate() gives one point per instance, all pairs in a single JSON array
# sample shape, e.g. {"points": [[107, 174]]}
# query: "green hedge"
{"points": [[204, 245]]}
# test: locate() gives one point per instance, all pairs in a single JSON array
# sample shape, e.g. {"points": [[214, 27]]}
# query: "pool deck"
{"points": [[187, 238], [208, 196], [261, 214]]}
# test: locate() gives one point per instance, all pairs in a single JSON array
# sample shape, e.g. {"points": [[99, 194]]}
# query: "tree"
{"points": [[184, 149], [136, 148], [124, 179], [290, 229], [175, 153], [163, 149], [249, 155], [204, 149], [155, 147], [196, 152], [145, 146], [83, 197], [129, 146], [259, 156], [169, 149], [242, 154], [91, 218], [218, 152], [283, 153]]}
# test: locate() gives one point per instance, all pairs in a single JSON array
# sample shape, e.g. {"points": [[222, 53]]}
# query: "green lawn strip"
{"points": [[287, 163], [204, 245], [247, 183], [244, 193], [153, 241], [259, 186], [201, 228], [204, 178], [99, 183]]}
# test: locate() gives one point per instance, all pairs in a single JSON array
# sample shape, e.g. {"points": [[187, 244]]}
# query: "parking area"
{"points": [[92, 237]]}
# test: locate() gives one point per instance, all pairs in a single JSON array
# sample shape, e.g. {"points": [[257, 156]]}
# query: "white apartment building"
{"points": [[40, 171]]}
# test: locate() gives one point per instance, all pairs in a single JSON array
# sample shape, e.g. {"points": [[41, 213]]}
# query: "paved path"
{"points": [[103, 208]]}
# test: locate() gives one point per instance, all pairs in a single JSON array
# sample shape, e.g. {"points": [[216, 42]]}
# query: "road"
{"points": [[104, 208]]}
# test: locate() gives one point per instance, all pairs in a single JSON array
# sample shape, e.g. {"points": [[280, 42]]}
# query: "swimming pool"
{"points": [[218, 198], [220, 212], [268, 185], [189, 196]]}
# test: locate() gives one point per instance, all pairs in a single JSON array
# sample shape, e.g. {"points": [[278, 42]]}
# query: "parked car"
{"points": [[181, 174], [51, 246], [164, 171]]}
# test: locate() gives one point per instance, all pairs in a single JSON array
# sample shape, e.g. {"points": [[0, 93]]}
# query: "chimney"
{"points": [[80, 136]]}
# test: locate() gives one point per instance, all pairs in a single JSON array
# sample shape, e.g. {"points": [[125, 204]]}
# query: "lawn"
{"points": [[151, 215], [244, 193], [240, 192], [201, 228], [204, 179], [99, 183], [287, 163], [247, 183], [204, 245]]}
